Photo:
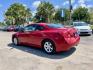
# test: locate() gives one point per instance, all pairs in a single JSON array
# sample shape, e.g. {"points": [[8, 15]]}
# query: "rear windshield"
{"points": [[55, 25]]}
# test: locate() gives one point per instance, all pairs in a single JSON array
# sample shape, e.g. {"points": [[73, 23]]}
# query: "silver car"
{"points": [[82, 28]]}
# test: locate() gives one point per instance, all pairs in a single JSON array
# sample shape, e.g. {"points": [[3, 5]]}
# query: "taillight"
{"points": [[65, 34]]}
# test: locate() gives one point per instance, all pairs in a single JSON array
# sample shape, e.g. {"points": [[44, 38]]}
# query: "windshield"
{"points": [[80, 24], [55, 25]]}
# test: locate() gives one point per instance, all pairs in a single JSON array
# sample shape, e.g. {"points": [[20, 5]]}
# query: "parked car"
{"points": [[51, 37], [17, 28], [11, 28], [83, 28], [4, 28], [1, 28]]}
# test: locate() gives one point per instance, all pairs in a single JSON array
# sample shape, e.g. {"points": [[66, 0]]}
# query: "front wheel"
{"points": [[15, 41], [49, 47]]}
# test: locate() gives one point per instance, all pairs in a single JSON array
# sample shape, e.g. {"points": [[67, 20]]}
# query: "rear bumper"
{"points": [[67, 45]]}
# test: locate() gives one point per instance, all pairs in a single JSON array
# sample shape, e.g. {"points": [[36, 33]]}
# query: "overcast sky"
{"points": [[33, 4]]}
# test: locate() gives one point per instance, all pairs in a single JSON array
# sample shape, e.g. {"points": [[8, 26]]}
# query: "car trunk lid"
{"points": [[70, 34]]}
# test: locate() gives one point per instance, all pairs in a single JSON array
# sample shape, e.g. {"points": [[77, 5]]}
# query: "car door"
{"points": [[25, 35], [36, 36]]}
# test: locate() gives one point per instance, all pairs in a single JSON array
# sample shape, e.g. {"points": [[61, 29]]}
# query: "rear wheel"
{"points": [[48, 47]]}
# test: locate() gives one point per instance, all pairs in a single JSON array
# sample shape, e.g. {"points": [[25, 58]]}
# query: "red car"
{"points": [[11, 28], [51, 37]]}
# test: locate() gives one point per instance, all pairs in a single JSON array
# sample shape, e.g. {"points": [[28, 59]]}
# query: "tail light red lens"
{"points": [[66, 34]]}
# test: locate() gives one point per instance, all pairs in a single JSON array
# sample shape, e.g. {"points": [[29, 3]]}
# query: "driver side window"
{"points": [[40, 27], [30, 28]]}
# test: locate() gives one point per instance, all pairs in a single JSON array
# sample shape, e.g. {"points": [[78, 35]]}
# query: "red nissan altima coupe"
{"points": [[51, 37]]}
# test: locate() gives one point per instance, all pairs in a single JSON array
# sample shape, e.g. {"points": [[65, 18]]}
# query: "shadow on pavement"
{"points": [[41, 53]]}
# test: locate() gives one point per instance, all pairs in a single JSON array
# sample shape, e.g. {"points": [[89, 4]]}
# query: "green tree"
{"points": [[28, 14], [57, 16], [91, 15], [1, 24], [67, 14], [17, 14], [44, 12], [81, 14]]}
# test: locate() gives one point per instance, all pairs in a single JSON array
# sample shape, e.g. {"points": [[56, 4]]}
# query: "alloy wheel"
{"points": [[48, 47]]}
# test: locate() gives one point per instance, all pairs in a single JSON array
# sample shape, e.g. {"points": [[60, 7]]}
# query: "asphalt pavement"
{"points": [[27, 58]]}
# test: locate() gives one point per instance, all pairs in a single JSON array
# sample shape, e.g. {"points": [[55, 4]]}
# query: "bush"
{"points": [[91, 26]]}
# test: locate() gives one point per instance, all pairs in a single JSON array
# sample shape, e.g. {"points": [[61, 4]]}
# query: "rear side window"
{"points": [[33, 27], [39, 27], [55, 25]]}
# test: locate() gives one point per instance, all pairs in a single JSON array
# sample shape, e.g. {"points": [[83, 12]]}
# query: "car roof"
{"points": [[42, 24]]}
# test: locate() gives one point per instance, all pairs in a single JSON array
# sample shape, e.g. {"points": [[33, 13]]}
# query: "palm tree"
{"points": [[45, 10], [17, 13]]}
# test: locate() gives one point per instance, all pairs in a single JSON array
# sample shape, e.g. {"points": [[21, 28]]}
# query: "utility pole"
{"points": [[70, 9]]}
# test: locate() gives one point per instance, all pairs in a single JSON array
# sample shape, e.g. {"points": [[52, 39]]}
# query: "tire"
{"points": [[48, 47], [15, 41]]}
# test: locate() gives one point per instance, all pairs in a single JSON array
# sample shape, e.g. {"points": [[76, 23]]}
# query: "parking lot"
{"points": [[27, 58]]}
